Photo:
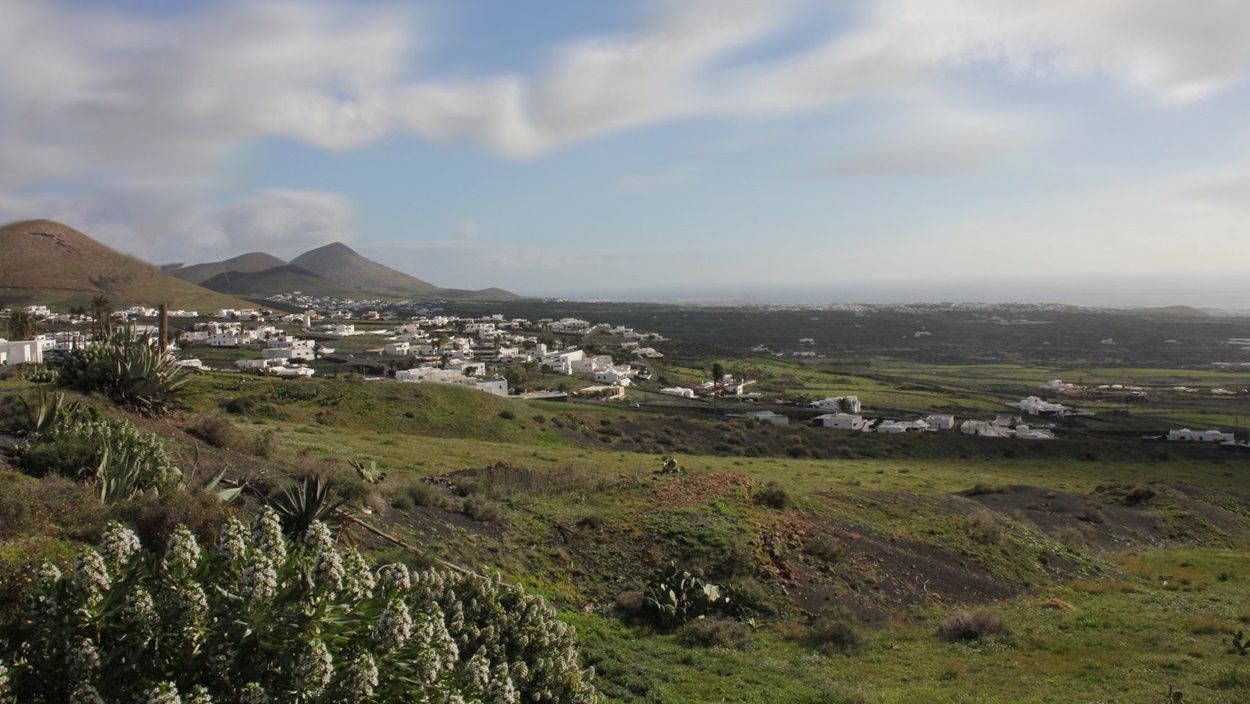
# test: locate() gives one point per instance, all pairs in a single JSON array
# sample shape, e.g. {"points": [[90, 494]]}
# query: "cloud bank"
{"points": [[124, 124]]}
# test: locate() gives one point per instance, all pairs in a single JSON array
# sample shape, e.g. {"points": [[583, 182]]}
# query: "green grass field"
{"points": [[1117, 570]]}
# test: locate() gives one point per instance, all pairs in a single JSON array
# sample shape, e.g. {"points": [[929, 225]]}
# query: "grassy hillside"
{"points": [[47, 262], [1115, 576]]}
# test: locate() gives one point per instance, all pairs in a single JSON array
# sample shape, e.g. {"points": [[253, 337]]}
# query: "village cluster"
{"points": [[482, 353]]}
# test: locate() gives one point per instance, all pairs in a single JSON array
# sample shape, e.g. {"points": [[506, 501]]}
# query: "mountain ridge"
{"points": [[52, 263], [333, 269]]}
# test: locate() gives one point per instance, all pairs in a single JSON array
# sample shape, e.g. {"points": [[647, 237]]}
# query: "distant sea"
{"points": [[1218, 294]]}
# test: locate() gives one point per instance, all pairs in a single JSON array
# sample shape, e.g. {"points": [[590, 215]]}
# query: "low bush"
{"points": [[714, 633], [1092, 513], [1138, 495], [481, 509], [85, 445], [825, 549], [972, 626], [217, 431], [507, 414], [155, 518], [833, 631], [984, 528], [416, 492], [983, 489], [773, 495], [52, 506]]}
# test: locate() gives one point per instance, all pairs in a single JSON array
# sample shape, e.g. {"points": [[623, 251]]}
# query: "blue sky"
{"points": [[962, 148]]}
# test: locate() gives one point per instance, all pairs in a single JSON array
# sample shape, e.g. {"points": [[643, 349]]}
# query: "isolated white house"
{"points": [[570, 326], [1035, 406], [1024, 432], [498, 387], [841, 421], [902, 426], [1187, 435], [22, 352], [838, 404], [678, 391], [396, 348], [984, 429], [616, 376]]}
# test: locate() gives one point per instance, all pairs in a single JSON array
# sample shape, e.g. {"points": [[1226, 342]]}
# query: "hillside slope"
{"points": [[280, 279], [249, 263], [47, 262], [341, 264]]}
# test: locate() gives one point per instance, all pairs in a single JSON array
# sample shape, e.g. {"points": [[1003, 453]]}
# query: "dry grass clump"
{"points": [[969, 626]]}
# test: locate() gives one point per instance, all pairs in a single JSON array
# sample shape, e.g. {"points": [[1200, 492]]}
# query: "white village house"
{"points": [[841, 421]]}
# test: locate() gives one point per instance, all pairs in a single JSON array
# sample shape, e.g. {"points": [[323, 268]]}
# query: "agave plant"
{"points": [[43, 414], [264, 619], [130, 369], [312, 500]]}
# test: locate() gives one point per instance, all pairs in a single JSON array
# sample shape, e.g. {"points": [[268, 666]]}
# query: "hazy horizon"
{"points": [[1228, 295]]}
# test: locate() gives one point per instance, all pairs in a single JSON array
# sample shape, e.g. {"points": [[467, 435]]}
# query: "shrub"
{"points": [[52, 506], [753, 597], [121, 460], [591, 522], [241, 405], [155, 518], [675, 596], [714, 633], [131, 370], [217, 431], [825, 549], [507, 414], [1092, 513], [972, 626], [417, 492], [1138, 495], [984, 528], [261, 618], [773, 495], [481, 509], [833, 630]]}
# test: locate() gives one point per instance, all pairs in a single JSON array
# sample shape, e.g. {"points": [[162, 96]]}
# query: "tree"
{"points": [[102, 311], [718, 372], [21, 325]]}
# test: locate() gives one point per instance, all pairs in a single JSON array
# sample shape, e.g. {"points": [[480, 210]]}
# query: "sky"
{"points": [[658, 149]]}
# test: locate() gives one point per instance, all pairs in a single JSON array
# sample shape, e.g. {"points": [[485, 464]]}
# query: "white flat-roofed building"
{"points": [[841, 421]]}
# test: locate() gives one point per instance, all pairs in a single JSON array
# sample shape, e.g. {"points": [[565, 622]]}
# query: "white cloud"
{"points": [[934, 139], [127, 120]]}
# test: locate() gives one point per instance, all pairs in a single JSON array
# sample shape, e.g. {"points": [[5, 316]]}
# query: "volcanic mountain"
{"points": [[249, 263], [332, 270], [42, 261]]}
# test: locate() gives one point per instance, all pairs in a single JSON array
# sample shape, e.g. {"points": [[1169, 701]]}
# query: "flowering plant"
{"points": [[264, 619]]}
